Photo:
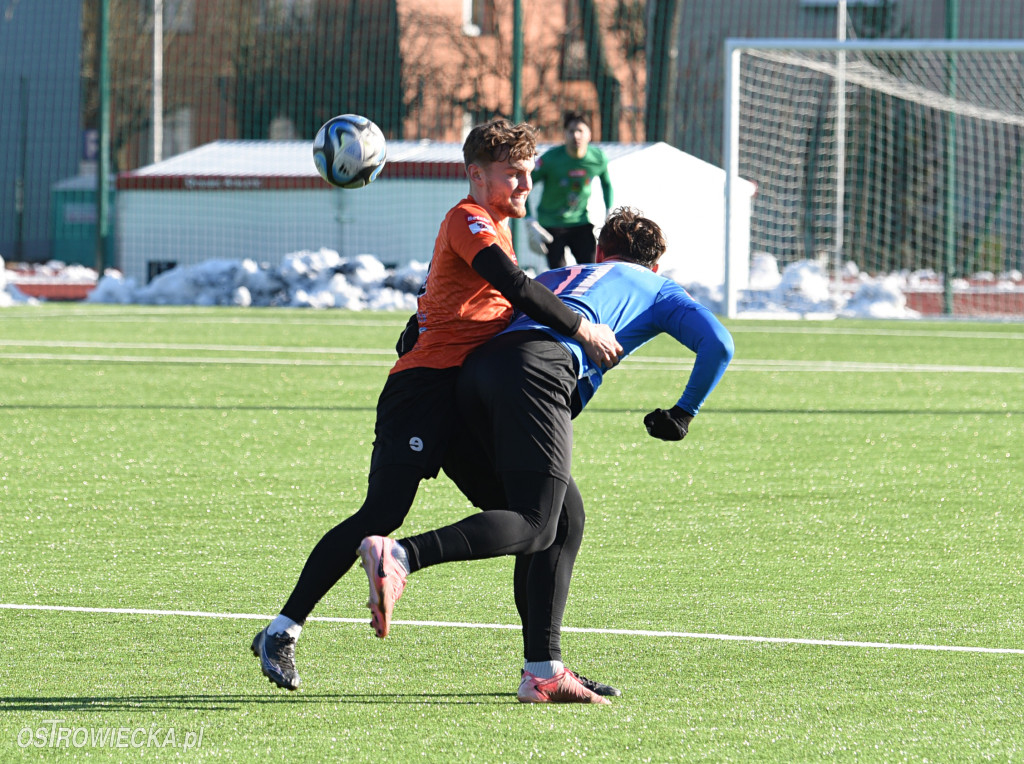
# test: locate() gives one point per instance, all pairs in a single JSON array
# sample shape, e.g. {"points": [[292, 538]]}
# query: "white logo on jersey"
{"points": [[479, 227], [416, 444]]}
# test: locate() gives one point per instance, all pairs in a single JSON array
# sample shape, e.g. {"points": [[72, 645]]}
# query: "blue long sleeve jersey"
{"points": [[638, 305]]}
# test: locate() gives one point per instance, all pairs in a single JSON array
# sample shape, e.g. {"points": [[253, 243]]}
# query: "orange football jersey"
{"points": [[458, 310]]}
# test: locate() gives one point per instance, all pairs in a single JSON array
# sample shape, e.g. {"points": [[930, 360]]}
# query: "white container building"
{"points": [[264, 199]]}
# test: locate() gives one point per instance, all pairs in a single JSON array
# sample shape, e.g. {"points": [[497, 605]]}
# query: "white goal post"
{"points": [[892, 155]]}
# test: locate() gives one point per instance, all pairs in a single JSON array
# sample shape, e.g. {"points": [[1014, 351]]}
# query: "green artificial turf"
{"points": [[828, 567]]}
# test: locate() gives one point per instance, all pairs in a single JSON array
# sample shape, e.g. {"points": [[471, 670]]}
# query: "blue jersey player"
{"points": [[638, 305], [517, 396]]}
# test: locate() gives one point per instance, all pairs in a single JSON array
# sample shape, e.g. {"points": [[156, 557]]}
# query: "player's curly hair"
{"points": [[629, 235], [499, 141]]}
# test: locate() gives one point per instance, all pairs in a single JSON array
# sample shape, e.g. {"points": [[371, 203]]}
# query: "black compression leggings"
{"points": [[389, 497], [541, 579], [542, 583], [527, 525]]}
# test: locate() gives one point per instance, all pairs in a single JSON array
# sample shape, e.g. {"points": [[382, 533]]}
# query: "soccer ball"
{"points": [[349, 151]]}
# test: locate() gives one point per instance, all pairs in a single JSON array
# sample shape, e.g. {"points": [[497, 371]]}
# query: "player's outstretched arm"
{"points": [[695, 327], [607, 191]]}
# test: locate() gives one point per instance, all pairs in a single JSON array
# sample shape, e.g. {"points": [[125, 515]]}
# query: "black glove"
{"points": [[409, 335], [672, 424]]}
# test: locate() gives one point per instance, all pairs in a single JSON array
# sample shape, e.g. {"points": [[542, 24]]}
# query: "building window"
{"points": [[178, 131], [479, 17], [849, 3], [179, 15], [282, 128], [572, 65], [286, 15]]}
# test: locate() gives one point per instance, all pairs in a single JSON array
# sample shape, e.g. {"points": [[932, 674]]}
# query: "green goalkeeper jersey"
{"points": [[567, 183]]}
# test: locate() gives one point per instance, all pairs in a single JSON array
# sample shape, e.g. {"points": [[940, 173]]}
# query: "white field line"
{"points": [[257, 349], [200, 360], [855, 332], [190, 315], [639, 364], [298, 317], [758, 364], [498, 626]]}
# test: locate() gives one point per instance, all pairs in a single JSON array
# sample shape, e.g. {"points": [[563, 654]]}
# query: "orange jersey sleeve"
{"points": [[458, 310]]}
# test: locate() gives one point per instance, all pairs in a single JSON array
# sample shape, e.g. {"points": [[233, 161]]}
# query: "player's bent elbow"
{"points": [[727, 348], [718, 348]]}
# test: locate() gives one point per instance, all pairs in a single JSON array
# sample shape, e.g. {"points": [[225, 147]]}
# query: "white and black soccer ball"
{"points": [[349, 151]]}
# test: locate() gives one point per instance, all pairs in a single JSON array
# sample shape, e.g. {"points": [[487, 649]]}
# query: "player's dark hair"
{"points": [[573, 116], [629, 235], [499, 141]]}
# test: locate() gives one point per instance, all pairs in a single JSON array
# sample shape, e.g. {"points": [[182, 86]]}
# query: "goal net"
{"points": [[879, 157]]}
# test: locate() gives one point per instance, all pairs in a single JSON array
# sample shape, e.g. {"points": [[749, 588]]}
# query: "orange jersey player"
{"points": [[458, 310]]}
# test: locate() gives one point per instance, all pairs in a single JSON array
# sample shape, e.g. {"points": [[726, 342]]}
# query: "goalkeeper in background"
{"points": [[567, 172], [517, 396]]}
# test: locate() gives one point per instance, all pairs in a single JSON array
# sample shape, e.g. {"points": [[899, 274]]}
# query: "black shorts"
{"points": [[469, 464], [514, 395], [416, 416], [580, 241]]}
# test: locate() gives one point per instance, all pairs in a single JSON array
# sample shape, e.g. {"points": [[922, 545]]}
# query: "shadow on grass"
{"points": [[229, 702]]}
